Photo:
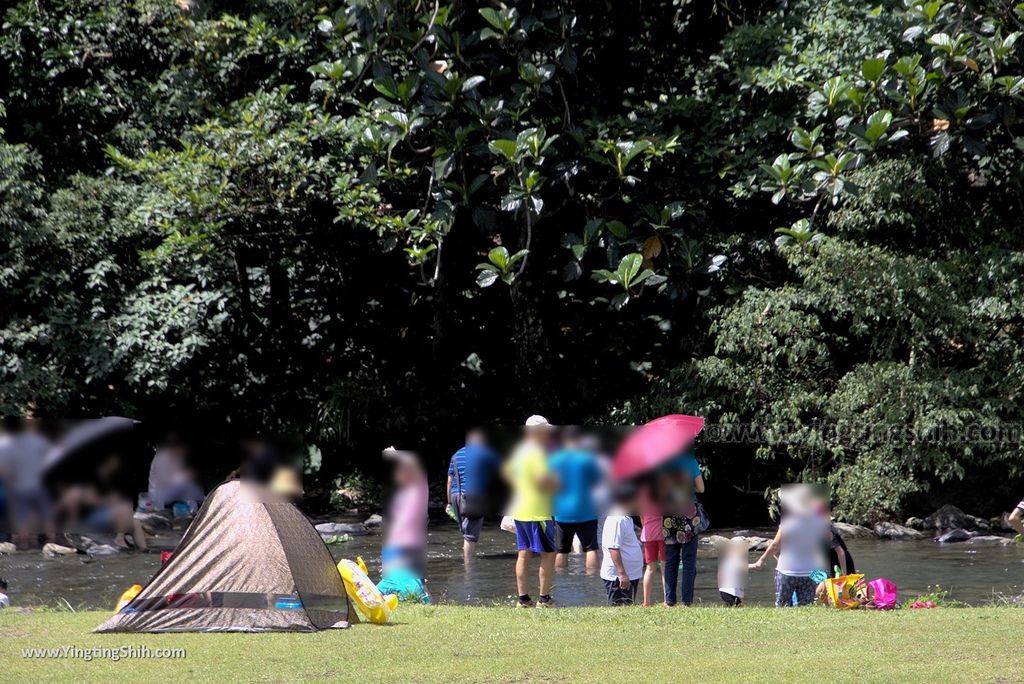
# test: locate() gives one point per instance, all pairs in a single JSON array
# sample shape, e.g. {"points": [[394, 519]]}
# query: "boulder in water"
{"points": [[7, 548], [709, 552], [153, 521], [976, 523], [953, 536], [714, 540], [849, 531], [888, 530], [83, 542], [103, 550], [330, 539], [947, 518], [1000, 524], [991, 540], [56, 550], [758, 543], [914, 523], [374, 522], [332, 528]]}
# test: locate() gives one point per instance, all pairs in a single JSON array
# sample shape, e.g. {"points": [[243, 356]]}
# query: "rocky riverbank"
{"points": [[947, 525]]}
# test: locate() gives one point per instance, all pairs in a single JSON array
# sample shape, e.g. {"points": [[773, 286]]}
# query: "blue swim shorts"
{"points": [[535, 536]]}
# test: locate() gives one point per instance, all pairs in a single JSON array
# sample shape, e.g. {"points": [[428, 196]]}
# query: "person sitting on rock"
{"points": [[104, 506], [170, 478]]}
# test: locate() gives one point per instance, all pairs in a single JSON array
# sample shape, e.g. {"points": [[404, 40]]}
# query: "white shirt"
{"points": [[732, 575], [5, 601], [618, 533], [803, 545]]}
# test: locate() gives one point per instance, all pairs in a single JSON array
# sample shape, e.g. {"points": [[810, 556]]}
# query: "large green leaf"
{"points": [[504, 148]]}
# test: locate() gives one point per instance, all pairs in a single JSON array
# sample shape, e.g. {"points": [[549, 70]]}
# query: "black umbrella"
{"points": [[82, 448]]}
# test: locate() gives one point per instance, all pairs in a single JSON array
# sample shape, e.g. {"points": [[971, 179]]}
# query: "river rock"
{"points": [[715, 540], [888, 530], [743, 533], [332, 528], [103, 550], [914, 523], [374, 522], [849, 531], [958, 535], [331, 539], [52, 550], [7, 548], [976, 523], [707, 552], [153, 521], [758, 543], [947, 518], [83, 543], [1000, 524], [991, 540]]}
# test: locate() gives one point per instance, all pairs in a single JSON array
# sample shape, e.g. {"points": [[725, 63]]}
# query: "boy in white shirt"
{"points": [[5, 601], [622, 565]]}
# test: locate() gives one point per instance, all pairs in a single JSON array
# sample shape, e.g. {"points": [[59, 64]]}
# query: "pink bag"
{"points": [[883, 593]]}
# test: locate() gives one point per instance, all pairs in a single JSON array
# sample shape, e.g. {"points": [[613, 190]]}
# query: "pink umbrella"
{"points": [[655, 443]]}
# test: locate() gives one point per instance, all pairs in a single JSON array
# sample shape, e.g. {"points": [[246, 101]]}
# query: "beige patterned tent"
{"points": [[250, 562]]}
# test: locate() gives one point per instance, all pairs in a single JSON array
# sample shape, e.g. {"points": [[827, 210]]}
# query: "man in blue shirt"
{"points": [[470, 473], [575, 511]]}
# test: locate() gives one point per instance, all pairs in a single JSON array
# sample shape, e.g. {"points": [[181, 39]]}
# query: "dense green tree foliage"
{"points": [[387, 219]]}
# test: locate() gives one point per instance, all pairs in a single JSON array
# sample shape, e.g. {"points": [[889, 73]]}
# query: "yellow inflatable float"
{"points": [[846, 592], [372, 605], [126, 598]]}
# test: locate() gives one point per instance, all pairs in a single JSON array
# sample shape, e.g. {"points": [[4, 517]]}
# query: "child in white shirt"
{"points": [[5, 600], [732, 572]]}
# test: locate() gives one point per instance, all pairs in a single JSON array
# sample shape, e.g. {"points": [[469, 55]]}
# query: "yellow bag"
{"points": [[371, 604], [127, 597], [846, 592]]}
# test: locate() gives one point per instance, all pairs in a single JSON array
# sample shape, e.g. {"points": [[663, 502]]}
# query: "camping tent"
{"points": [[250, 562]]}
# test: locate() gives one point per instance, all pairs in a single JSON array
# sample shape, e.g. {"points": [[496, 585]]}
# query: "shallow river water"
{"points": [[974, 574]]}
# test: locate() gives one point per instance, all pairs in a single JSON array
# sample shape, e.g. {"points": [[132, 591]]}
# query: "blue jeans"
{"points": [[673, 554]]}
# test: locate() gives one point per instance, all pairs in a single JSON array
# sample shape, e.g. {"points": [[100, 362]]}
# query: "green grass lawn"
{"points": [[456, 644]]}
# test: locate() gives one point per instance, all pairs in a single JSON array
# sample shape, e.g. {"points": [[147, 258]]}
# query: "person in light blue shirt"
{"points": [[579, 473], [470, 474]]}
